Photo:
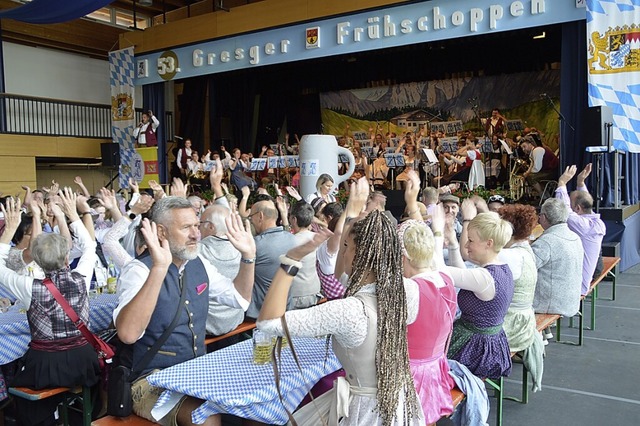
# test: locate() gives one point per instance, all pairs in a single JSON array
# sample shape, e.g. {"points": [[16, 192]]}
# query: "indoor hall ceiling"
{"points": [[95, 38]]}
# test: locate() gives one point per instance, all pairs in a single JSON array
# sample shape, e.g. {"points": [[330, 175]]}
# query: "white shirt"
{"points": [[135, 274], [21, 285], [139, 132], [536, 158]]}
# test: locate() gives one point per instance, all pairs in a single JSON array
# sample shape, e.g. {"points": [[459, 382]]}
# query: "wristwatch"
{"points": [[290, 269], [131, 215]]}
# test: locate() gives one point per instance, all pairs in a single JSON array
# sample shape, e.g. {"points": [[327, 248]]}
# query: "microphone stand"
{"points": [[563, 121]]}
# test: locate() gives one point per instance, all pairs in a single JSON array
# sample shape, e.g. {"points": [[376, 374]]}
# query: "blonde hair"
{"points": [[417, 243], [490, 226]]}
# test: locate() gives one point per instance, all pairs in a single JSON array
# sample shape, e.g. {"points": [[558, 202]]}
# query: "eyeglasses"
{"points": [[202, 222], [252, 214]]}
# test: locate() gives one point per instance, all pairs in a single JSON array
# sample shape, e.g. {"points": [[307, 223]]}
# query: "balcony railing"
{"points": [[29, 115]]}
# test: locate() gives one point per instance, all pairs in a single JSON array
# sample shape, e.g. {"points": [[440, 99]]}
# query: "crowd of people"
{"points": [[454, 156], [450, 286]]}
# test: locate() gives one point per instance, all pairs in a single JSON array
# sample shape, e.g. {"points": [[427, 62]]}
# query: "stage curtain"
{"points": [[234, 95], [192, 106], [53, 11], [153, 99]]}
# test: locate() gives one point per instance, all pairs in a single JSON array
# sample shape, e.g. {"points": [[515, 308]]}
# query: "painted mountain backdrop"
{"points": [[518, 96]]}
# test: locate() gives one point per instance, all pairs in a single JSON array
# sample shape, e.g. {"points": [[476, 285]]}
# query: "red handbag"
{"points": [[104, 350]]}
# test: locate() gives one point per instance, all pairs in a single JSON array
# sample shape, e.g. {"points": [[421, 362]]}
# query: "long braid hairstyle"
{"points": [[378, 250]]}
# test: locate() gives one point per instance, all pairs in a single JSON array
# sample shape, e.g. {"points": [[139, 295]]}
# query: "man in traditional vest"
{"points": [[145, 133], [151, 286], [544, 163]]}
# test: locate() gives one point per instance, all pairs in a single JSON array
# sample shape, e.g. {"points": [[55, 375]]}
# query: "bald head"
{"points": [[581, 202], [263, 215], [212, 221]]}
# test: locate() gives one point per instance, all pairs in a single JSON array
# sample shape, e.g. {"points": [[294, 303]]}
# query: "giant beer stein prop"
{"points": [[318, 155]]}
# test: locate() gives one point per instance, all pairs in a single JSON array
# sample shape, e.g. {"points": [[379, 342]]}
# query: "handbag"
{"points": [[104, 350], [121, 377]]}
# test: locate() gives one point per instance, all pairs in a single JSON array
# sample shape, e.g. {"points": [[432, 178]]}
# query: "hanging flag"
{"points": [[122, 77], [613, 38]]}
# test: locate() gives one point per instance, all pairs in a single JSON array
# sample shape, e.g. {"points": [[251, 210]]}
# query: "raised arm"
{"points": [[275, 301], [243, 241], [133, 319], [411, 195], [83, 188]]}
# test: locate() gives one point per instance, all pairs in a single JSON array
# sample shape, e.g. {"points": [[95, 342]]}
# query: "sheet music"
{"points": [[431, 156], [506, 147]]}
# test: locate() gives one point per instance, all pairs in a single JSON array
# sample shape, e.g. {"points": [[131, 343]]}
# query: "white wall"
{"points": [[47, 73]]}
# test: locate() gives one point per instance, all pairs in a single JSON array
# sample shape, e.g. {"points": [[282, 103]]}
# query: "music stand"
{"points": [[394, 160], [258, 164]]}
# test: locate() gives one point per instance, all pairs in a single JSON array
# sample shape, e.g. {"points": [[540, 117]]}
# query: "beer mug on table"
{"points": [[262, 345]]}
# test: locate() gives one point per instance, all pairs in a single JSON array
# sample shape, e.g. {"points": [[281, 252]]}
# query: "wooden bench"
{"points": [[243, 327], [131, 420], [610, 265], [69, 394]]}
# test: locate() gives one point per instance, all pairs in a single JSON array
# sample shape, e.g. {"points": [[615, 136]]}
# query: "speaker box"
{"points": [[595, 125], [110, 154]]}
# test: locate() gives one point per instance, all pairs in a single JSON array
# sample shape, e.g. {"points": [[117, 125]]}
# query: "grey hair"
{"points": [[555, 211], [162, 207], [50, 251], [216, 214]]}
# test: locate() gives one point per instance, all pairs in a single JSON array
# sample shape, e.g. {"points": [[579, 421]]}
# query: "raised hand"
{"points": [[159, 250], [584, 174], [293, 192], [438, 218], [69, 201], [358, 196], [178, 188], [215, 176], [78, 180], [108, 199], [568, 174], [133, 184], [12, 219], [245, 192], [142, 206], [468, 209], [239, 237]]}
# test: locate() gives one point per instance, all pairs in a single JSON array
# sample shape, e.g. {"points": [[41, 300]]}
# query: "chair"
{"points": [[548, 191]]}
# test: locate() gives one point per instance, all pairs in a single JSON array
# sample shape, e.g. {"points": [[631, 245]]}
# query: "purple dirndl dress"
{"points": [[478, 340]]}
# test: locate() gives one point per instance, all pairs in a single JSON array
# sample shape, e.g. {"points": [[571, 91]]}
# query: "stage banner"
{"points": [[122, 77], [613, 38], [145, 166]]}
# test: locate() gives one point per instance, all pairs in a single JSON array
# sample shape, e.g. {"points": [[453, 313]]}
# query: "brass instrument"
{"points": [[516, 179]]}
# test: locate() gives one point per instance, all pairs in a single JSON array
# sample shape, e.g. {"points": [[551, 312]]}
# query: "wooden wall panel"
{"points": [[50, 146], [79, 147], [17, 169], [26, 145]]}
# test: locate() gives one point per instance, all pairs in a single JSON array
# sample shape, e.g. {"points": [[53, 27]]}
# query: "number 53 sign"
{"points": [[168, 65]]}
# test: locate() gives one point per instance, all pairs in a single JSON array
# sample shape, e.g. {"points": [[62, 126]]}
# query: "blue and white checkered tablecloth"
{"points": [[14, 327], [6, 293], [230, 382]]}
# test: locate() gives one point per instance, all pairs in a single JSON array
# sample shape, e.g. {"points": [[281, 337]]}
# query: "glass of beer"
{"points": [[261, 347]]}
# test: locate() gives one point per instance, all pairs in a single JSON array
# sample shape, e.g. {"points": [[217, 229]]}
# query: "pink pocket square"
{"points": [[201, 288]]}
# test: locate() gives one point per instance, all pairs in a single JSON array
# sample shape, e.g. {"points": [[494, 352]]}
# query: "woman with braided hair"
{"points": [[368, 326]]}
